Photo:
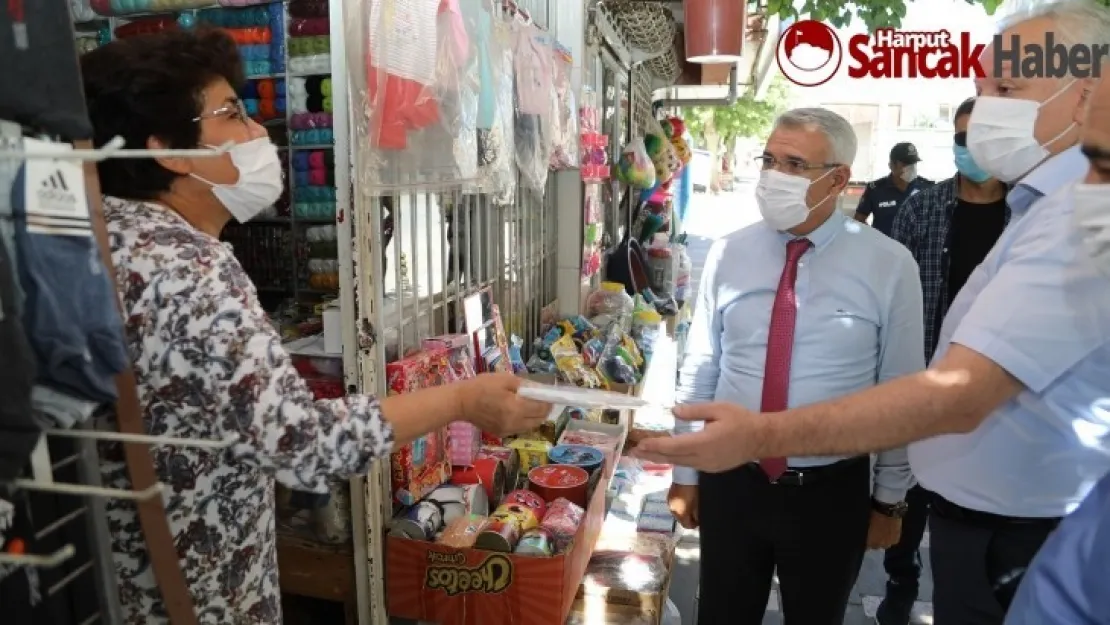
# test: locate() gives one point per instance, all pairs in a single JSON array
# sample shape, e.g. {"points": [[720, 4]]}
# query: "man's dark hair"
{"points": [[964, 108], [153, 86]]}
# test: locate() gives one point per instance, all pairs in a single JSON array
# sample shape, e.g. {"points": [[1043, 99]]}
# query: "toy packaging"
{"points": [[421, 466]]}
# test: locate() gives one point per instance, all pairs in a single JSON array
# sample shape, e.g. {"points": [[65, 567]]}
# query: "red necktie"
{"points": [[780, 346]]}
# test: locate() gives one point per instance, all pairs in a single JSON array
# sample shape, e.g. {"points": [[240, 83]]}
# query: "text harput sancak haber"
{"points": [[897, 54]]}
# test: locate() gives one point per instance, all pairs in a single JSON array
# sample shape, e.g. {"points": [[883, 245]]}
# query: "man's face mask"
{"points": [[782, 198], [1092, 219], [1001, 139]]}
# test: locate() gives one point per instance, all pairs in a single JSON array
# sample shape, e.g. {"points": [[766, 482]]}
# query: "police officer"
{"points": [[884, 196]]}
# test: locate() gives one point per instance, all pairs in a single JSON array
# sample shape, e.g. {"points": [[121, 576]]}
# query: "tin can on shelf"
{"points": [[525, 516], [456, 501], [536, 542], [560, 480], [487, 472], [419, 522], [509, 457], [502, 534], [589, 458], [529, 499]]}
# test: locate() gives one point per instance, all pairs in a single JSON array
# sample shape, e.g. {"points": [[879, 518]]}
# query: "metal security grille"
{"points": [[641, 100], [408, 260], [440, 248]]}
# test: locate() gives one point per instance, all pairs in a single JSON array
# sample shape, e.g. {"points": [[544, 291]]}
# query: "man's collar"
{"points": [[824, 234], [1054, 173]]}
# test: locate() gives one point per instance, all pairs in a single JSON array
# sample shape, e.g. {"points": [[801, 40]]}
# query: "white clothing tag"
{"points": [[54, 192]]}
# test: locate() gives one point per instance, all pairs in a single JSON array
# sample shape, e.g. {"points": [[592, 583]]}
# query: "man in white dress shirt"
{"points": [[804, 306]]}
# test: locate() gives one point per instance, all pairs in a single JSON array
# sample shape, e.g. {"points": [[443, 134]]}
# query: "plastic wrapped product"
{"points": [[610, 298], [562, 519], [634, 166], [463, 531], [564, 122], [420, 92]]}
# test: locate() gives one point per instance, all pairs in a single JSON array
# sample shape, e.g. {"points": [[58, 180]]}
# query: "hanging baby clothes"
{"points": [[457, 89], [401, 69], [532, 67]]}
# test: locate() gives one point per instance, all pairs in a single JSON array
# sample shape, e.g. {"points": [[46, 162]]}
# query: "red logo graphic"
{"points": [[809, 53]]}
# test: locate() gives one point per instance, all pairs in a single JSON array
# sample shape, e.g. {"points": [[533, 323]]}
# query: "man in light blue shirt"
{"points": [[853, 298], [1068, 582], [1011, 396]]}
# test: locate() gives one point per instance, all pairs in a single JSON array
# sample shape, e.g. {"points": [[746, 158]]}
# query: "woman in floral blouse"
{"points": [[207, 360]]}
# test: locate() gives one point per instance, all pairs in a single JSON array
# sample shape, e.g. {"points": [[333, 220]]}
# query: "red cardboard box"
{"points": [[431, 582]]}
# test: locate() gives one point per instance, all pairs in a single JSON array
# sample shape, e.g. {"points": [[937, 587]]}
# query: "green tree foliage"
{"points": [[747, 117], [873, 13]]}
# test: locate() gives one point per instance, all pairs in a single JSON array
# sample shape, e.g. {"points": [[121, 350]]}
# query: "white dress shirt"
{"points": [[1037, 307], [859, 322]]}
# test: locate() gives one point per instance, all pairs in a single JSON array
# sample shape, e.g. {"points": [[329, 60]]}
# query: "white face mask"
{"points": [[782, 198], [1000, 135], [1092, 219], [909, 174], [260, 179]]}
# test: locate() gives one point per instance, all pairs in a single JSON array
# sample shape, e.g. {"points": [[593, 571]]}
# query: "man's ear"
{"points": [[1086, 92], [841, 177], [177, 164]]}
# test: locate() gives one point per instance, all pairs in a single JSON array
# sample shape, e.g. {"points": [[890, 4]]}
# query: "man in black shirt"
{"points": [[950, 228], [883, 197]]}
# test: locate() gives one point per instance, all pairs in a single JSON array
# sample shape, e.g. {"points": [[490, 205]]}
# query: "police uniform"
{"points": [[882, 198]]}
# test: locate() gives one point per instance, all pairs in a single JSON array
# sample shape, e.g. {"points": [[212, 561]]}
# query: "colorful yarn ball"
{"points": [[678, 127], [187, 20]]}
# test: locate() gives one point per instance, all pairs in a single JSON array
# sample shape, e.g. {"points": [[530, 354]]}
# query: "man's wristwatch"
{"points": [[892, 510]]}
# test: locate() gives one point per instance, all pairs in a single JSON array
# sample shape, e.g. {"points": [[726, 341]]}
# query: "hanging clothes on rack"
{"points": [[47, 243], [19, 433], [69, 300], [40, 86]]}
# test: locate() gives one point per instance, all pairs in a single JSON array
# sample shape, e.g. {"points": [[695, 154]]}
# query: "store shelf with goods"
{"points": [[289, 250]]}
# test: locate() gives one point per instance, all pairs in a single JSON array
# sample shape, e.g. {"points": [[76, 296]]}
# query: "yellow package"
{"points": [[533, 453], [633, 350]]}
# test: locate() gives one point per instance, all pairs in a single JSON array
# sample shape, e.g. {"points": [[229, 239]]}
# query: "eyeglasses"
{"points": [[235, 110], [791, 165], [961, 139]]}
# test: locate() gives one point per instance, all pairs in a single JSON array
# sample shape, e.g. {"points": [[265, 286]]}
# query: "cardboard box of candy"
{"points": [[478, 570]]}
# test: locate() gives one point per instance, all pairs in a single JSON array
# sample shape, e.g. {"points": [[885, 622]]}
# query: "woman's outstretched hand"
{"points": [[490, 402]]}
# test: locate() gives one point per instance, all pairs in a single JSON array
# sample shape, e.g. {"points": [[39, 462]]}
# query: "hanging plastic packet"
{"points": [[635, 167]]}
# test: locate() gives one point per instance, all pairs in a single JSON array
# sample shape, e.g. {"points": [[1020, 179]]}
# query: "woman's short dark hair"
{"points": [[153, 86], [964, 108]]}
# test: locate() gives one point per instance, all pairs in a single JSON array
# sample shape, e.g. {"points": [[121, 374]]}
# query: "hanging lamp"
{"points": [[714, 30]]}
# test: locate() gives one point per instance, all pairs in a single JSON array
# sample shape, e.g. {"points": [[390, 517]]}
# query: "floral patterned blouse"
{"points": [[209, 365]]}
